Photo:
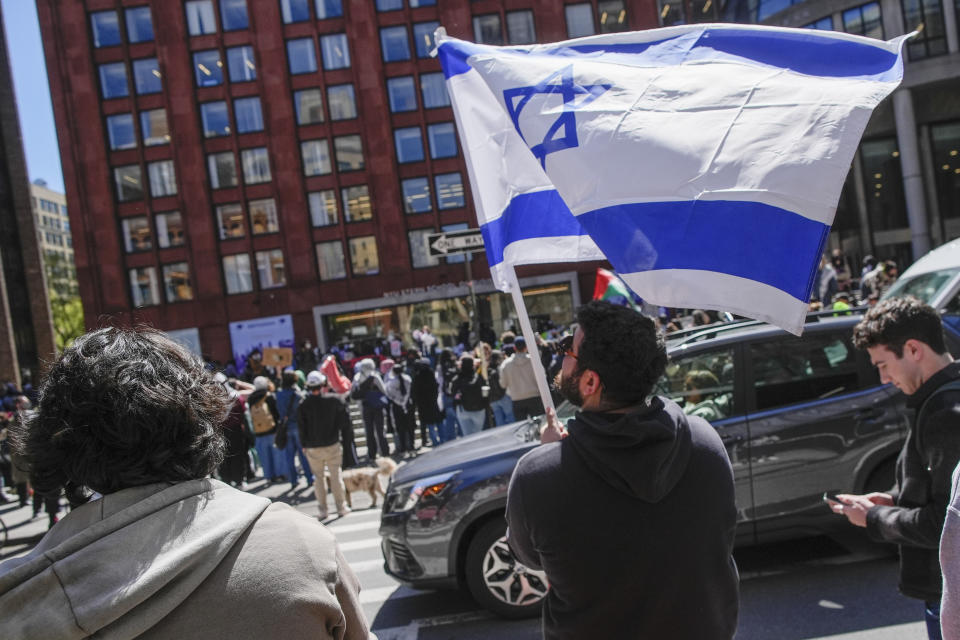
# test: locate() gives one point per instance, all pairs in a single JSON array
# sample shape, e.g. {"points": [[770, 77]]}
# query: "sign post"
{"points": [[448, 243]]}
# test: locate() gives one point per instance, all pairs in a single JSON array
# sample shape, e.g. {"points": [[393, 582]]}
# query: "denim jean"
{"points": [[269, 457], [433, 432], [931, 615], [502, 410], [448, 428], [293, 451], [471, 421]]}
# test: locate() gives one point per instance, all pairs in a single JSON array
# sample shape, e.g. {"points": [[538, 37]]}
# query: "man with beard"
{"points": [[648, 553]]}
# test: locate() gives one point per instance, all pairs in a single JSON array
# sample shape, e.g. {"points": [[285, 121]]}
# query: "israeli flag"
{"points": [[704, 162]]}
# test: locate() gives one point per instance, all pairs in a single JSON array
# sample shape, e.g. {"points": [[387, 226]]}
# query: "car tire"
{"points": [[497, 580]]}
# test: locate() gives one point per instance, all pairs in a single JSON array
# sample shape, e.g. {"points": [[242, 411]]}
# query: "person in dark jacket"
{"points": [[447, 370], [467, 391], [904, 338], [500, 402], [322, 421], [424, 392], [238, 438], [288, 400], [649, 553]]}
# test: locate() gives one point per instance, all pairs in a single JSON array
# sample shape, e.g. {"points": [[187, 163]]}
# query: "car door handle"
{"points": [[869, 414]]}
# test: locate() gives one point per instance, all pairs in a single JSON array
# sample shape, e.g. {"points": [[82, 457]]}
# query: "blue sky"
{"points": [[33, 92]]}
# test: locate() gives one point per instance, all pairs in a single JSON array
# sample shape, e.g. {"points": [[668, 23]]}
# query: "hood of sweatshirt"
{"points": [[642, 454], [117, 565], [255, 397]]}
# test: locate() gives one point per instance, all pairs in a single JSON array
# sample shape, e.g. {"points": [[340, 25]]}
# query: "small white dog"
{"points": [[369, 479]]}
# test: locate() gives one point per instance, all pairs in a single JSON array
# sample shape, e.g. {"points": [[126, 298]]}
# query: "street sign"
{"points": [[454, 242]]}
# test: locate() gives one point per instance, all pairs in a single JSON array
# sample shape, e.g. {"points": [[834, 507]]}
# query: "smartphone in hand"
{"points": [[831, 496]]}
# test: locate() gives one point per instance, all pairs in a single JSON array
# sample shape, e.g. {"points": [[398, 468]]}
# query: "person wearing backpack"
{"points": [[265, 417], [905, 340], [289, 398]]}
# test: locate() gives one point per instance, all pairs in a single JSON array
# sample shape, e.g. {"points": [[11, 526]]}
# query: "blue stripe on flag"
{"points": [[541, 214], [802, 51], [747, 239]]}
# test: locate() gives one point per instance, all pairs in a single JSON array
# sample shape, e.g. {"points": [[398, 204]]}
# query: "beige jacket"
{"points": [[193, 560], [517, 377]]}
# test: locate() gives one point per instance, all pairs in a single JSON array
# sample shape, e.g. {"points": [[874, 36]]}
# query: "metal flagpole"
{"points": [[529, 336]]}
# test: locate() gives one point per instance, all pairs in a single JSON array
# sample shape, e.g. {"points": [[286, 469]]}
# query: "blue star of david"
{"points": [[562, 134]]}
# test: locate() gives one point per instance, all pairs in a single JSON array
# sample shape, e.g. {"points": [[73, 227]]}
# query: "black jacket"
{"points": [[922, 494], [468, 392], [424, 391], [322, 421], [632, 517]]}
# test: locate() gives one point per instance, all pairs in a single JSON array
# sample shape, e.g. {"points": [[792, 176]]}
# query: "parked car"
{"points": [[798, 415]]}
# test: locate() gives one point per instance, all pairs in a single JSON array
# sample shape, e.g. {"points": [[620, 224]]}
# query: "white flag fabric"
{"points": [[704, 162]]}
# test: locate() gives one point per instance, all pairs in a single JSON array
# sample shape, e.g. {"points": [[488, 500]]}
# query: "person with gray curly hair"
{"points": [[129, 424]]}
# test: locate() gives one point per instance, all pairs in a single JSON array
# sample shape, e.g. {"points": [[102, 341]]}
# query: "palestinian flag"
{"points": [[611, 288]]}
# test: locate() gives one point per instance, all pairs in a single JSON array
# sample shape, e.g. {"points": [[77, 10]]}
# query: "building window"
{"points": [[139, 25], [613, 16], [129, 182], [520, 28], [216, 122], [170, 231], [236, 273], [200, 18], [886, 204], [389, 5], [343, 103], [449, 190], [363, 256], [240, 64], [349, 153], [330, 261], [416, 195], [335, 52], [308, 104], [270, 269], [223, 170], [301, 56], [323, 208], [423, 38], [163, 181], [419, 251], [580, 20], [443, 140], [926, 17], [113, 80], [143, 287], [256, 165], [409, 144], [106, 28], [294, 11], [433, 89], [120, 131], [230, 221], [329, 9], [316, 157], [136, 234], [263, 216], [356, 203], [154, 128], [487, 29], [247, 114], [394, 45], [945, 139], [402, 94], [233, 14], [864, 20], [207, 68], [176, 282], [146, 76], [823, 24], [422, 3]]}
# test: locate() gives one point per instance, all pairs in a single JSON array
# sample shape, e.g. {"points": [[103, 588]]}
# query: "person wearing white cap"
{"points": [[368, 388], [322, 420]]}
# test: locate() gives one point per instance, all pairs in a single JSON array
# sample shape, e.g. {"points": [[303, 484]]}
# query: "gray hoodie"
{"points": [[196, 559]]}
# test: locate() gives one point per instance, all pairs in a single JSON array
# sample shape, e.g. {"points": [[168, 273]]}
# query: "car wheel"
{"points": [[497, 580]]}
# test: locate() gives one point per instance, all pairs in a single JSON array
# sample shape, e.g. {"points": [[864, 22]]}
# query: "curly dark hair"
{"points": [[895, 320], [624, 348], [123, 408]]}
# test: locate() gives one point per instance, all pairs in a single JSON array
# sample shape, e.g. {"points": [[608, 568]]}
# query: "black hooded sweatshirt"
{"points": [[632, 517]]}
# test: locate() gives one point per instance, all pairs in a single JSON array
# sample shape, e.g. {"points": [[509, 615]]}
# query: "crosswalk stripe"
{"points": [[366, 565], [350, 528], [381, 594], [365, 543]]}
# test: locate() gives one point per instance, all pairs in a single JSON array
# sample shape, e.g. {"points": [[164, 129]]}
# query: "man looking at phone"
{"points": [[904, 338], [632, 515]]}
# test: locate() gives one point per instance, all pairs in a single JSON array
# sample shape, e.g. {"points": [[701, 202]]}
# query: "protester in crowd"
{"points": [[506, 343], [369, 390], [500, 403], [879, 280], [238, 437], [424, 392], [323, 422], [842, 269], [262, 405], [827, 286], [255, 368], [307, 357], [869, 264], [288, 400], [518, 378], [645, 478], [161, 551], [446, 372], [467, 389], [904, 338], [399, 387]]}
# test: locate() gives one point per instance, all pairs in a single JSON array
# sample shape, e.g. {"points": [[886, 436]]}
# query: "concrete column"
{"points": [[866, 235], [950, 22], [935, 221], [910, 167]]}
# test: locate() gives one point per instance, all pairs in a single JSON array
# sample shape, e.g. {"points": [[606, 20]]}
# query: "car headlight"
{"points": [[407, 496]]}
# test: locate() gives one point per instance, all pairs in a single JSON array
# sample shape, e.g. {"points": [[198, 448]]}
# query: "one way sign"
{"points": [[454, 242]]}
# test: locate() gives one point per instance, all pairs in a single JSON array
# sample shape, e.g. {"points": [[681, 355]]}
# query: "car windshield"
{"points": [[924, 287]]}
